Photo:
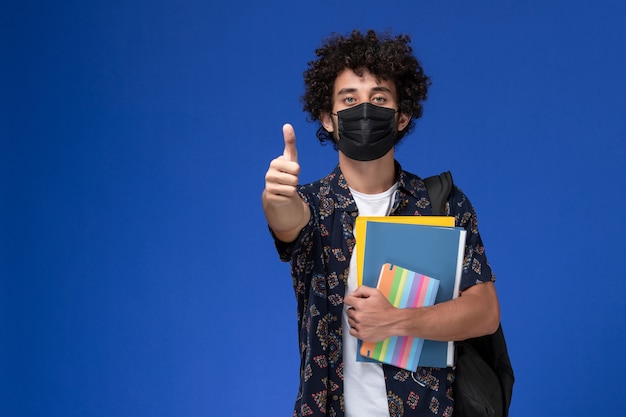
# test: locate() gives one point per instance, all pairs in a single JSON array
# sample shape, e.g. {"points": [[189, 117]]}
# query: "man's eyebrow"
{"points": [[381, 89], [346, 91], [350, 90]]}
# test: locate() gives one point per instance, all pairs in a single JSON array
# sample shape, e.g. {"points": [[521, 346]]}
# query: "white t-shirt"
{"points": [[365, 393]]}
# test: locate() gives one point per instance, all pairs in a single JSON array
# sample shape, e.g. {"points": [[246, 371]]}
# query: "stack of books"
{"points": [[415, 261]]}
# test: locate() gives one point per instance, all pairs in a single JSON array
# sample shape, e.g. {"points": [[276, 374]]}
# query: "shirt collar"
{"points": [[407, 184]]}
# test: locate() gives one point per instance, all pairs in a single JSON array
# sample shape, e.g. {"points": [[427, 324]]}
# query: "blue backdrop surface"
{"points": [[137, 275]]}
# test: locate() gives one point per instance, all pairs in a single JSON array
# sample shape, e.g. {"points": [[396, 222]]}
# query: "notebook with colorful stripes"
{"points": [[404, 289]]}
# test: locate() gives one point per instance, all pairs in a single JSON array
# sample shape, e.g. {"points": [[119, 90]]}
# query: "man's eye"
{"points": [[379, 99], [349, 100]]}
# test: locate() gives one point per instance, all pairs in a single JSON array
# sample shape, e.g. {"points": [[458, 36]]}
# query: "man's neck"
{"points": [[369, 177]]}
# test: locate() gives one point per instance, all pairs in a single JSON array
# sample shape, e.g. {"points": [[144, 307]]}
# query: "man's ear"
{"points": [[403, 121], [327, 121]]}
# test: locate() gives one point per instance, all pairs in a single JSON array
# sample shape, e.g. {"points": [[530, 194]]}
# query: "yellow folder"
{"points": [[361, 229]]}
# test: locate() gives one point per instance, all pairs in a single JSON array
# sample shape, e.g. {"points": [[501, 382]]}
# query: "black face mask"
{"points": [[366, 131]]}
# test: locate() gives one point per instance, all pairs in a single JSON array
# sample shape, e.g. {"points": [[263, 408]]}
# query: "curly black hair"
{"points": [[384, 56]]}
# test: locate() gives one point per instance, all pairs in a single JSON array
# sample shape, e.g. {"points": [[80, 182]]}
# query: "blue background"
{"points": [[137, 274]]}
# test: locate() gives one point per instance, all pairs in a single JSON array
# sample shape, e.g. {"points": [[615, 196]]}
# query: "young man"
{"points": [[366, 91]]}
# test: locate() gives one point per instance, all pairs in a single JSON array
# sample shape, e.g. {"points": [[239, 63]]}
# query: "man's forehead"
{"points": [[351, 81]]}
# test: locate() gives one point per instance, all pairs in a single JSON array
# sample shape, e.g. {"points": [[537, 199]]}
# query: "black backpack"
{"points": [[483, 385]]}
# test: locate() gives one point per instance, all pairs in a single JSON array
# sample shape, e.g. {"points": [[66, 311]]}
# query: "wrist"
{"points": [[406, 322], [402, 322]]}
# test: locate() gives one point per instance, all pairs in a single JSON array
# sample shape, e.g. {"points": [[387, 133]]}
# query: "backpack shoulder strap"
{"points": [[439, 188]]}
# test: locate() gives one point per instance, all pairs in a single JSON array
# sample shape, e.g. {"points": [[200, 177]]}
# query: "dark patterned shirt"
{"points": [[320, 260]]}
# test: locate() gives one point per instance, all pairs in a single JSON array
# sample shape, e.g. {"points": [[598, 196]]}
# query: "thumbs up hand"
{"points": [[285, 211], [290, 153], [281, 178]]}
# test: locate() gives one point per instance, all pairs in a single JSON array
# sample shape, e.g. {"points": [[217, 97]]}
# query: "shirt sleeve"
{"points": [[476, 268], [286, 250]]}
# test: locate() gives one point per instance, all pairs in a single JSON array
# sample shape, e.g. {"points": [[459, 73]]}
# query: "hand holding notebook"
{"points": [[404, 289]]}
